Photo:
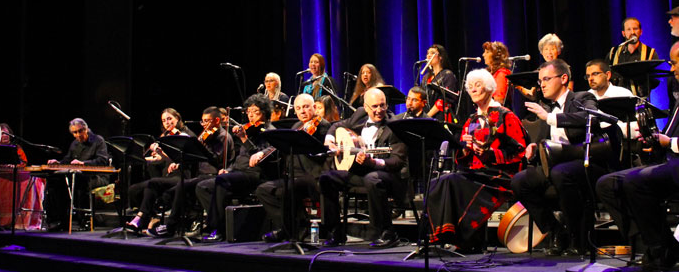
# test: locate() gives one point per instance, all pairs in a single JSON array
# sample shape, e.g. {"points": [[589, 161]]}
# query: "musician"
{"points": [[215, 143], [318, 76], [369, 77], [212, 138], [416, 101], [674, 22], [460, 203], [326, 108], [5, 140], [272, 83], [598, 75], [380, 175], [631, 27], [158, 161], [496, 58], [641, 190], [241, 177], [307, 170], [86, 149], [550, 47], [567, 126], [440, 72]]}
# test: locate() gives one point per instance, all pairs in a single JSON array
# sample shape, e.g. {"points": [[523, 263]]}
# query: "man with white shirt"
{"points": [[567, 126], [643, 189], [598, 75], [380, 175]]}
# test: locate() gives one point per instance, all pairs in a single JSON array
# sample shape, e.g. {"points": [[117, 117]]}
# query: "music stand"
{"points": [[624, 108], [428, 133], [183, 150], [8, 155], [639, 70], [292, 142], [285, 123], [526, 79], [130, 152], [393, 95]]}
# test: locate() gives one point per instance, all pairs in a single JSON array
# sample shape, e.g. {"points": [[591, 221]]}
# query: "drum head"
{"points": [[514, 230], [480, 130]]}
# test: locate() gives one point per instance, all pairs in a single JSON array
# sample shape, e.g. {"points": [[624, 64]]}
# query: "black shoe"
{"points": [[162, 231], [214, 237], [660, 258], [336, 238], [558, 241], [388, 239], [57, 227], [275, 236]]}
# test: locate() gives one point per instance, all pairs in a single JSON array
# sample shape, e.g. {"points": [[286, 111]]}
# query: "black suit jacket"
{"points": [[574, 120], [395, 161], [314, 166]]}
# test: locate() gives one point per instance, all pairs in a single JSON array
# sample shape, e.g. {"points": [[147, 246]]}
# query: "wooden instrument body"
{"points": [[350, 144], [513, 230]]}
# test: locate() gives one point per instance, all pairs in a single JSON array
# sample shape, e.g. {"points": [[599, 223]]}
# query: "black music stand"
{"points": [[129, 152], [428, 133], [624, 108], [8, 155], [639, 71], [183, 150], [525, 79], [285, 123], [292, 141], [393, 95]]}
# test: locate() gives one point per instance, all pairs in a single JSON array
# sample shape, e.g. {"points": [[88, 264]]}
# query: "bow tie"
{"points": [[370, 124], [554, 105]]}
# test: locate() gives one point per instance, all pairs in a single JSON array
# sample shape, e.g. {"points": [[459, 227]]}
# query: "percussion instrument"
{"points": [[513, 230]]}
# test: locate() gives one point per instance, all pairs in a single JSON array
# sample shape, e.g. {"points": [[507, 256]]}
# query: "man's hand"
{"points": [[537, 109], [255, 158], [173, 166], [77, 162], [222, 171], [333, 147], [52, 161], [363, 159]]}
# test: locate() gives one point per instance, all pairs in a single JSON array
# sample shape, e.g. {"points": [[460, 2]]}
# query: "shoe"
{"points": [[388, 239], [275, 236], [335, 238], [558, 241], [194, 230], [214, 237], [162, 231], [133, 224], [660, 258], [396, 213]]}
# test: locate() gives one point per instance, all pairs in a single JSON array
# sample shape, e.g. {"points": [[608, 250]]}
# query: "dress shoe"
{"points": [[162, 231], [214, 237], [388, 239], [558, 241], [336, 238], [274, 236]]}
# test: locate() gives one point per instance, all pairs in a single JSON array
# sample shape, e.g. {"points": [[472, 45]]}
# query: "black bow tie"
{"points": [[370, 124], [554, 105]]}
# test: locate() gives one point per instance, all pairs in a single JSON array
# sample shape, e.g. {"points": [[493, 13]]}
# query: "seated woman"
{"points": [[494, 146], [5, 140], [325, 108]]}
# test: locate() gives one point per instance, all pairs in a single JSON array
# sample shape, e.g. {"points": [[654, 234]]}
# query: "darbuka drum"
{"points": [[513, 230], [481, 131]]}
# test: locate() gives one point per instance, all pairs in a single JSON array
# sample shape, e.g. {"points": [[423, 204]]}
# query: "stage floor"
{"points": [[88, 248]]}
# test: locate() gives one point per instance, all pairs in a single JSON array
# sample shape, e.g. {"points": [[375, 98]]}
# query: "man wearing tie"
{"points": [[642, 190], [379, 175], [567, 126]]}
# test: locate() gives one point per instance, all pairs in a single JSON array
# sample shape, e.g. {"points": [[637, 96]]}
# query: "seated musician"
{"points": [[5, 140], [307, 170], [598, 75], [214, 142], [380, 175], [567, 126], [244, 175], [326, 108], [87, 149], [495, 142], [641, 190], [416, 101], [213, 138], [272, 85]]}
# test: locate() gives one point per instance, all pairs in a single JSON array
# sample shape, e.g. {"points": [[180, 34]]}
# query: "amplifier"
{"points": [[245, 223]]}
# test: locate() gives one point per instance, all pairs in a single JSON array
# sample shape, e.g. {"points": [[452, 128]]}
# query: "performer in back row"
{"points": [[495, 141], [318, 78], [368, 77], [380, 175]]}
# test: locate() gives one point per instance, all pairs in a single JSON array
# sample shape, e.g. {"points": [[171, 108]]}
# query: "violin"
{"points": [[207, 132], [172, 132], [311, 126]]}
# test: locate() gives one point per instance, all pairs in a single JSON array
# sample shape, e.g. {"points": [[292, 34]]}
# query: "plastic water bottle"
{"points": [[314, 232]]}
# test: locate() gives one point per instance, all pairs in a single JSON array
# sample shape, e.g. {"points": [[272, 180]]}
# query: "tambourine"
{"points": [[647, 127], [481, 130]]}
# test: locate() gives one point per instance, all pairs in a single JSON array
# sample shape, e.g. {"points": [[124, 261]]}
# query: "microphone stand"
{"points": [[346, 90], [240, 90], [342, 101]]}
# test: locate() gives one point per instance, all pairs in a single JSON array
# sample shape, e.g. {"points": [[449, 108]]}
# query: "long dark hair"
{"points": [[443, 54], [375, 78], [330, 109], [499, 56], [180, 123]]}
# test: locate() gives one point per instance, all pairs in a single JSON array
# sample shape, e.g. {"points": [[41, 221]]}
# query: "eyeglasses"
{"points": [[205, 122], [545, 79], [593, 75], [270, 81], [382, 106], [78, 131], [252, 111], [672, 62]]}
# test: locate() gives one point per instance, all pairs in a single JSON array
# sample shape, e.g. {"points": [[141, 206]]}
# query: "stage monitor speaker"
{"points": [[244, 223]]}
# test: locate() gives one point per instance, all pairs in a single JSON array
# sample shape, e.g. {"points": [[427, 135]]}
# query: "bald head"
{"points": [[674, 57], [305, 107], [375, 104]]}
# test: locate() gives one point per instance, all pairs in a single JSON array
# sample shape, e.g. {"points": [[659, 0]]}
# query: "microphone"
{"points": [[443, 151], [110, 103], [229, 65], [428, 62], [633, 39], [303, 72], [261, 86], [350, 76], [525, 57], [602, 116], [477, 59], [311, 80], [49, 148], [420, 62]]}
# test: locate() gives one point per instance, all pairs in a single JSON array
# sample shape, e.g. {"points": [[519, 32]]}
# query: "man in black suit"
{"points": [[641, 190], [567, 126], [307, 170], [380, 175]]}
